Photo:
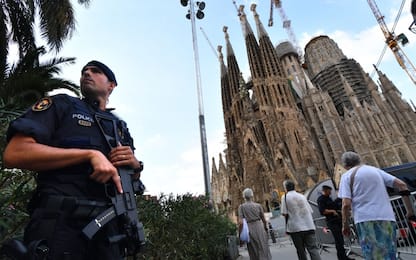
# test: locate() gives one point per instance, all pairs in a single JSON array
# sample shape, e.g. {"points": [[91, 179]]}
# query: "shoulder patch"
{"points": [[42, 104]]}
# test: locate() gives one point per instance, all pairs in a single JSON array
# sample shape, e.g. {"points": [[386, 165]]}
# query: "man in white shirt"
{"points": [[363, 189], [299, 224]]}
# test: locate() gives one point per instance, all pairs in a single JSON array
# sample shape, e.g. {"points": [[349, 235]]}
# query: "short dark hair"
{"points": [[326, 187], [289, 185]]}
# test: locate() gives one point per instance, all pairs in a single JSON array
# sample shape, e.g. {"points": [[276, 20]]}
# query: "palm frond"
{"points": [[21, 20], [28, 80], [57, 21], [4, 43]]}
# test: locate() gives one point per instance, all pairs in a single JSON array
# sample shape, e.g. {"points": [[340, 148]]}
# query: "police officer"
{"points": [[59, 138], [331, 209]]}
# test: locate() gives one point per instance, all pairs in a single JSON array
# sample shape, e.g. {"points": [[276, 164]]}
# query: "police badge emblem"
{"points": [[42, 104]]}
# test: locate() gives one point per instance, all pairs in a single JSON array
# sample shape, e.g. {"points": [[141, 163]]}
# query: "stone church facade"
{"points": [[287, 122]]}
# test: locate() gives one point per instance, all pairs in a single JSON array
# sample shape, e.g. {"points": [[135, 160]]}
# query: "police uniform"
{"points": [[334, 222], [68, 122]]}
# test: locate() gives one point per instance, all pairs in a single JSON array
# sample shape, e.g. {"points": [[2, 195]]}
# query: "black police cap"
{"points": [[106, 70]]}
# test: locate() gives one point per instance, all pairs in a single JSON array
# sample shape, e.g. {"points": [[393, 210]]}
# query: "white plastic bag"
{"points": [[245, 234]]}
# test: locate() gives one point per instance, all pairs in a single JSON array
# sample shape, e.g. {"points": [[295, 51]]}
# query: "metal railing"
{"points": [[406, 230], [405, 233]]}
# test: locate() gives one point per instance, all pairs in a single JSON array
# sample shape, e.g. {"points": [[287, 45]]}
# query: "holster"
{"points": [[17, 250]]}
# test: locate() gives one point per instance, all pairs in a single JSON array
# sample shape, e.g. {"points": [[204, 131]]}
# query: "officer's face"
{"points": [[326, 192], [94, 83]]}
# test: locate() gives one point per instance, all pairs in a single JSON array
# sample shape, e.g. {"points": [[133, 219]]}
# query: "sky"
{"points": [[148, 45]]}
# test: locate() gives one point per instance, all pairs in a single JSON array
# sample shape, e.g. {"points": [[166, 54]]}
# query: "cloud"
{"points": [[184, 176]]}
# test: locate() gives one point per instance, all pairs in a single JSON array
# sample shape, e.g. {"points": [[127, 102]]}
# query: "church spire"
{"points": [[260, 28], [225, 87], [253, 52], [233, 68], [271, 61], [244, 23]]}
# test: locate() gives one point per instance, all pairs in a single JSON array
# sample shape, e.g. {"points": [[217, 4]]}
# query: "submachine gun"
{"points": [[124, 206]]}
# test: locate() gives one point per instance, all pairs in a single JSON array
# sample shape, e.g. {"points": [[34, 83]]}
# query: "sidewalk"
{"points": [[284, 249]]}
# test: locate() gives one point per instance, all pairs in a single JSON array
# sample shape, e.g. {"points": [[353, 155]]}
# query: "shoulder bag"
{"points": [[352, 178]]}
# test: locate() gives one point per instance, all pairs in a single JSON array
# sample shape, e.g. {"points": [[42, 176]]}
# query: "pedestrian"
{"points": [[60, 139], [299, 222], [363, 190], [331, 209], [258, 246]]}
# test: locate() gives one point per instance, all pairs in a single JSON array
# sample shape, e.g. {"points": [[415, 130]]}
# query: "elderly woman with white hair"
{"points": [[258, 247]]}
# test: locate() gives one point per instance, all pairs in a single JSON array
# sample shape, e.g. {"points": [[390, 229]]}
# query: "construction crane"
{"points": [[392, 41], [209, 42], [286, 25], [236, 8]]}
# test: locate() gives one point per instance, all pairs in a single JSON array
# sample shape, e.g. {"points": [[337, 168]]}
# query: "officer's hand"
{"points": [[104, 170], [123, 156]]}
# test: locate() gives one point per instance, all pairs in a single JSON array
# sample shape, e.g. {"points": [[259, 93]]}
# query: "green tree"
{"points": [[17, 23], [56, 22], [28, 80], [23, 84], [184, 227]]}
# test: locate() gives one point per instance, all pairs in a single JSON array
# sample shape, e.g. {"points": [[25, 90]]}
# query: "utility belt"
{"points": [[74, 207]]}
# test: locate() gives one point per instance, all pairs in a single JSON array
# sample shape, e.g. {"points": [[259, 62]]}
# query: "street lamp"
{"points": [[191, 16]]}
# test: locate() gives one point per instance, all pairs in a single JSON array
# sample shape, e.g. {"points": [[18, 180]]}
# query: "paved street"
{"points": [[284, 249]]}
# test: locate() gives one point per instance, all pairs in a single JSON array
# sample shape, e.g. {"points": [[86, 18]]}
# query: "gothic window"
{"points": [[277, 96], [297, 137], [240, 109], [232, 124], [269, 95], [280, 163], [262, 132], [299, 157], [256, 134], [265, 96], [403, 156], [250, 147]]}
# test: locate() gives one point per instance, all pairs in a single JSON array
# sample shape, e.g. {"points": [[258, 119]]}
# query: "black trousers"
{"points": [[65, 239], [335, 226]]}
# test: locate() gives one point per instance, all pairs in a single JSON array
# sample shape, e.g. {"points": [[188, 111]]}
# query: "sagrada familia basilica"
{"points": [[294, 121]]}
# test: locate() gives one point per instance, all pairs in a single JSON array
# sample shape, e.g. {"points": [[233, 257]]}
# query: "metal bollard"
{"points": [[271, 231]]}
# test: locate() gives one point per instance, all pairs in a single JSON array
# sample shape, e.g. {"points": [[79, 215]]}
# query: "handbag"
{"points": [[245, 233]]}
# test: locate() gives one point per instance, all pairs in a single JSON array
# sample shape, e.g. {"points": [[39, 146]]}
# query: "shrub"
{"points": [[184, 228], [16, 187]]}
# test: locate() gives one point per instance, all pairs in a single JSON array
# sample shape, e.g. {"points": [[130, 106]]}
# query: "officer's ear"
{"points": [[112, 86]]}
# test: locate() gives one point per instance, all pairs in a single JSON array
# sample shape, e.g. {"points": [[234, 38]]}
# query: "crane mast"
{"points": [[392, 42], [286, 26]]}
